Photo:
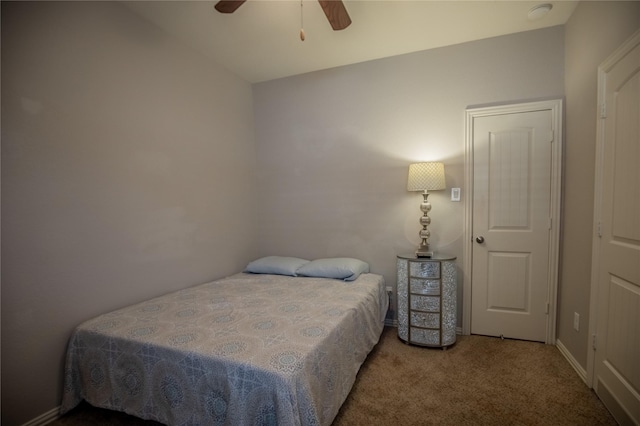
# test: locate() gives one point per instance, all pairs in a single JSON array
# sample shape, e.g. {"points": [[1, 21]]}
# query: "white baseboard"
{"points": [[582, 373], [45, 419]]}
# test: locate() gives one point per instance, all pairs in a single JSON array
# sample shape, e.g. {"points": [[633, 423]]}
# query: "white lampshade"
{"points": [[426, 176]]}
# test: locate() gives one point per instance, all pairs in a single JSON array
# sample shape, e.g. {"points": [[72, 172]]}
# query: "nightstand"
{"points": [[427, 290]]}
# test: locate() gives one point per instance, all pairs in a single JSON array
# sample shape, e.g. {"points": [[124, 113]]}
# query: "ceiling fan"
{"points": [[334, 10]]}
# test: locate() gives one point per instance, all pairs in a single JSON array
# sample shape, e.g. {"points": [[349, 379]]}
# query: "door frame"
{"points": [[555, 106]]}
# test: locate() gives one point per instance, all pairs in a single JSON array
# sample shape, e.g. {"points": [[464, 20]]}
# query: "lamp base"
{"points": [[424, 253]]}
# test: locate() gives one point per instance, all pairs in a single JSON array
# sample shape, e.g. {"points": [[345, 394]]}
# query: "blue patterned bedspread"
{"points": [[243, 350]]}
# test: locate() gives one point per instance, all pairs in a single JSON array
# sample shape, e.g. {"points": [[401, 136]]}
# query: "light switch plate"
{"points": [[455, 194]]}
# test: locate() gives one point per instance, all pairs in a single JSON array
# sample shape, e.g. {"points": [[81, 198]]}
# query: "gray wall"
{"points": [[594, 31], [126, 173], [335, 146]]}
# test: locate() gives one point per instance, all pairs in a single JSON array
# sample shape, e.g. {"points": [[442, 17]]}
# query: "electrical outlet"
{"points": [[576, 321], [390, 294], [391, 310]]}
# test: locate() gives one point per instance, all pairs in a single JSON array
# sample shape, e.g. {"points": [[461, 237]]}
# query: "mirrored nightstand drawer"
{"points": [[425, 337], [425, 303], [425, 319], [422, 286], [424, 269]]}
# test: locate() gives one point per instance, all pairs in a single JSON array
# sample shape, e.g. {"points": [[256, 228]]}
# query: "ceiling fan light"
{"points": [[539, 11]]}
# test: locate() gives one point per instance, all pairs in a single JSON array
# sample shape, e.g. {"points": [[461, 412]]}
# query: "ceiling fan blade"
{"points": [[336, 13], [228, 6]]}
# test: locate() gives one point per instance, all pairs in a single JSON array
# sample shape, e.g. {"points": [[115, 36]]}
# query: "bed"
{"points": [[249, 349]]}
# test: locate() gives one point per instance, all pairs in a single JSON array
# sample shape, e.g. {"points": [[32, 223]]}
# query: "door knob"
{"points": [[480, 239]]}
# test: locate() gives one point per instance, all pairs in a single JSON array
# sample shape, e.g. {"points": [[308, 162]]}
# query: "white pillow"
{"points": [[344, 268], [278, 265]]}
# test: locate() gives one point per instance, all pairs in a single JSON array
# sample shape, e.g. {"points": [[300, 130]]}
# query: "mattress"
{"points": [[249, 349]]}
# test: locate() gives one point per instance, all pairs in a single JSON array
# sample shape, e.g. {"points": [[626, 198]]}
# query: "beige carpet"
{"points": [[478, 381]]}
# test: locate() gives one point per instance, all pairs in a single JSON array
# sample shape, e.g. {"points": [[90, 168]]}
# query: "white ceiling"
{"points": [[260, 41]]}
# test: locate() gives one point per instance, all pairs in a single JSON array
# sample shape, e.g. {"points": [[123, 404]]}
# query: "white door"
{"points": [[511, 223], [616, 276]]}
